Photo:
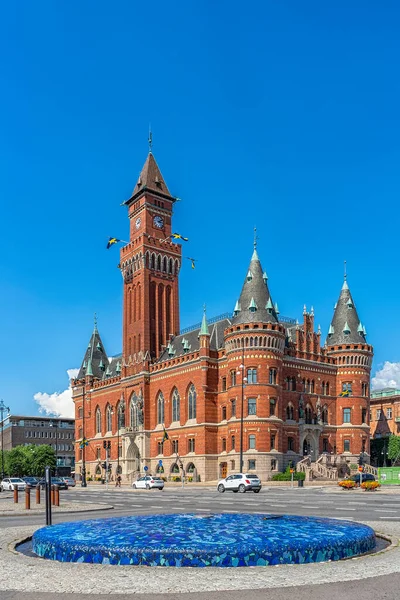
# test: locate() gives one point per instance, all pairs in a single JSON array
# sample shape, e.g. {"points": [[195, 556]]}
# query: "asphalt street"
{"points": [[326, 502]]}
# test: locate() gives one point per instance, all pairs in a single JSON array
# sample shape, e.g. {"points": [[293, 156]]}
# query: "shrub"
{"points": [[176, 479], [370, 486], [353, 466], [287, 475], [347, 484]]}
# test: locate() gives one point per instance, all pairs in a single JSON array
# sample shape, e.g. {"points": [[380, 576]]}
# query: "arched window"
{"points": [[160, 409], [290, 412], [108, 418], [325, 414], [133, 411], [98, 420], [192, 402], [312, 386], [176, 406], [308, 415], [252, 442], [293, 384]]}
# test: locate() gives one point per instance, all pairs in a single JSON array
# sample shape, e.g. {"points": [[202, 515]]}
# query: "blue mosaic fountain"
{"points": [[214, 540]]}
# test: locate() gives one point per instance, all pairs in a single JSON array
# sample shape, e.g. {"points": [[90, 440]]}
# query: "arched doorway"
{"points": [[132, 459], [310, 448]]}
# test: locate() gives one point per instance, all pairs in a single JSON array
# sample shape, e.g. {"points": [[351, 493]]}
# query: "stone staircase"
{"points": [[324, 468]]}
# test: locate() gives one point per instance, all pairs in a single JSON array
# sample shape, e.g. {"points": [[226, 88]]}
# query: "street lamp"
{"points": [[83, 443], [3, 409], [121, 407], [56, 427], [244, 381]]}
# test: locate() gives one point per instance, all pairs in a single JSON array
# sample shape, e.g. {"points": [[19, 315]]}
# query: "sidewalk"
{"points": [[10, 509]]}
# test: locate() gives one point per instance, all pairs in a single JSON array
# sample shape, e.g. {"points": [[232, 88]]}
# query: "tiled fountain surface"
{"points": [[214, 540], [23, 573]]}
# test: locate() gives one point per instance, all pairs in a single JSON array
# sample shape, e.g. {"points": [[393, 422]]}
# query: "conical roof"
{"points": [[150, 178], [255, 300], [95, 360], [345, 327]]}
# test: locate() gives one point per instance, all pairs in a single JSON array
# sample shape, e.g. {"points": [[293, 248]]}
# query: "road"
{"points": [[325, 502]]}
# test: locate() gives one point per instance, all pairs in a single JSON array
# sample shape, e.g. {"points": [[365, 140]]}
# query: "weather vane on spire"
{"points": [[150, 140], [95, 322], [345, 270], [255, 238]]}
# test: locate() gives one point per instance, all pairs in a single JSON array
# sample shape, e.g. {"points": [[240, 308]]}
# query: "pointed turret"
{"points": [[95, 361], [150, 179], [204, 325], [346, 327], [255, 297]]}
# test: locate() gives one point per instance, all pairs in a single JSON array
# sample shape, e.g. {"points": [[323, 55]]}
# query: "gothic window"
{"points": [[192, 402], [325, 415], [224, 413], [176, 406], [290, 412], [120, 414], [223, 444], [133, 411], [98, 420], [308, 415], [288, 382], [272, 376], [327, 388], [160, 409], [108, 418], [252, 442], [232, 442], [233, 377]]}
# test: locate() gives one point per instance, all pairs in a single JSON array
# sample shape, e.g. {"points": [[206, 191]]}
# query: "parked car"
{"points": [[248, 482], [10, 483], [32, 481], [69, 481], [364, 477], [148, 482], [54, 481]]}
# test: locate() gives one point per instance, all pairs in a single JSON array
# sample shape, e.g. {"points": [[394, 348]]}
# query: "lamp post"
{"points": [[244, 380], [384, 453], [3, 409], [83, 471], [56, 427], [121, 407]]}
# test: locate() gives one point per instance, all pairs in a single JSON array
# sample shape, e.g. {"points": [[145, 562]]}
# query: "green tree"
{"points": [[394, 448], [17, 461], [41, 457]]}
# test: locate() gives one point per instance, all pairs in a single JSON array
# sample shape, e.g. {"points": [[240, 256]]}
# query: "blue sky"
{"points": [[285, 116]]}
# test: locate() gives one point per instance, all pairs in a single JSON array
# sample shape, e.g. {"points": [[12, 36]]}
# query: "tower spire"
{"points": [[150, 140], [345, 326]]}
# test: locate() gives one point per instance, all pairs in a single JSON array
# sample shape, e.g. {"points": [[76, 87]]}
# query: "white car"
{"points": [[10, 483], [148, 482], [248, 482]]}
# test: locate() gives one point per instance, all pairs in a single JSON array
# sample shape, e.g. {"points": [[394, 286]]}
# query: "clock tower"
{"points": [[150, 265]]}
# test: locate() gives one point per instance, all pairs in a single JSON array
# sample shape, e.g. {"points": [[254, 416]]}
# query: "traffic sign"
{"points": [[160, 462], [360, 469], [145, 468]]}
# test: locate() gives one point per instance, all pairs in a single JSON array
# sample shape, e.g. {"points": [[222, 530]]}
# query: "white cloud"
{"points": [[58, 403], [387, 376]]}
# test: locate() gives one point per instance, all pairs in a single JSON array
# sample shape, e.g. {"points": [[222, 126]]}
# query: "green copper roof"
{"points": [[265, 277], [269, 305], [276, 308], [346, 328], [360, 328], [204, 326], [237, 308], [253, 306], [331, 330], [89, 370]]}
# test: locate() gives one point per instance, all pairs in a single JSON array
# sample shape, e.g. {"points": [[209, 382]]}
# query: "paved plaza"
{"points": [[24, 577]]}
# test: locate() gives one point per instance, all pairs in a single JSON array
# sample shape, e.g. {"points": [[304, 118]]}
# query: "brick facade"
{"points": [[290, 385]]}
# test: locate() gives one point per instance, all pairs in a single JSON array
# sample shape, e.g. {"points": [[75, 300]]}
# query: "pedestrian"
{"points": [[118, 481]]}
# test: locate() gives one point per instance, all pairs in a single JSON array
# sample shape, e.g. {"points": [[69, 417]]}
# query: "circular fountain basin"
{"points": [[214, 540]]}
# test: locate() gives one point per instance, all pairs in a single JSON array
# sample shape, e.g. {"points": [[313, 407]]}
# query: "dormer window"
{"points": [[252, 305], [331, 331], [249, 276], [349, 303], [346, 329], [269, 306]]}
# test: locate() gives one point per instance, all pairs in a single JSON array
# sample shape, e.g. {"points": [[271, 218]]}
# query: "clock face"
{"points": [[158, 222], [138, 222]]}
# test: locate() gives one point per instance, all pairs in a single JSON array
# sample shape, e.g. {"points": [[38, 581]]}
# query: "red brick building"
{"points": [[299, 397]]}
